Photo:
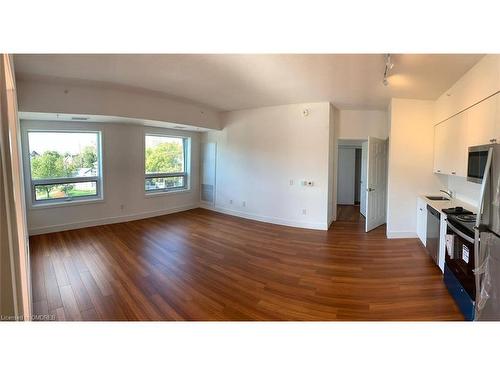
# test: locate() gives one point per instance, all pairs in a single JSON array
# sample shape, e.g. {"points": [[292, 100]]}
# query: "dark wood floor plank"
{"points": [[59, 314], [90, 315], [71, 309], [105, 306], [80, 291], [39, 292], [202, 265], [54, 300]]}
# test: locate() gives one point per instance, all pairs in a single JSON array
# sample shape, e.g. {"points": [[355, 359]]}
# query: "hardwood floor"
{"points": [[202, 265], [349, 213]]}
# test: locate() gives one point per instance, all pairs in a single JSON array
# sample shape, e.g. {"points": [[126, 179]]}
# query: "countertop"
{"points": [[440, 205]]}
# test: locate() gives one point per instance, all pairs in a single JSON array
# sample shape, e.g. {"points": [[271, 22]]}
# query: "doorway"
{"points": [[362, 180], [352, 167]]}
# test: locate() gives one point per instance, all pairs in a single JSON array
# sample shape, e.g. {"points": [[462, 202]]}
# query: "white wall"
{"points": [[260, 151], [464, 190], [360, 124], [481, 81], [123, 173], [77, 98], [332, 164], [411, 158], [346, 168]]}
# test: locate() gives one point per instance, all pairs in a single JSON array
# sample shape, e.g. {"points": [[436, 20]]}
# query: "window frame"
{"points": [[33, 183], [185, 149]]}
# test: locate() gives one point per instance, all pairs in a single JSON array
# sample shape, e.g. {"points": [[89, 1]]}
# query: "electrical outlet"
{"points": [[291, 182], [230, 201], [122, 206], [304, 211], [244, 204]]}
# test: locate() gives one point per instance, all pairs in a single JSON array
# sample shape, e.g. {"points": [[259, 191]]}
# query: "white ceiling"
{"points": [[231, 82]]}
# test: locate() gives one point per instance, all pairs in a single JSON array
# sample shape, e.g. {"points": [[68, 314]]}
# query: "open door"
{"points": [[376, 183]]}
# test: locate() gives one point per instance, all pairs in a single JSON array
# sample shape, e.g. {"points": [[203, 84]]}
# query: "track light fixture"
{"points": [[388, 67]]}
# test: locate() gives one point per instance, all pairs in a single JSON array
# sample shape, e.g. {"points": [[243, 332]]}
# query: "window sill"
{"points": [[153, 194], [40, 206]]}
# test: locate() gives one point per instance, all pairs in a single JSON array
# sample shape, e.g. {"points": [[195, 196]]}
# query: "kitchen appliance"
{"points": [[456, 211], [432, 238], [460, 259], [487, 239], [476, 163]]}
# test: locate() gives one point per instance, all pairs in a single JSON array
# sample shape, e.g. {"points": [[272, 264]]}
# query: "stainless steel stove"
{"points": [[466, 218]]}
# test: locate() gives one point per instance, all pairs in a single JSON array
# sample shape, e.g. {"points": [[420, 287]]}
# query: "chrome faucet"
{"points": [[448, 193]]}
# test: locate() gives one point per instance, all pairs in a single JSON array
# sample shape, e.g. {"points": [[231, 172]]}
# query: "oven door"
{"points": [[460, 257], [476, 163]]}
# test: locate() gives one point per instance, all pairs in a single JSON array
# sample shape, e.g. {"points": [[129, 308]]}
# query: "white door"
{"points": [[376, 183], [362, 189]]}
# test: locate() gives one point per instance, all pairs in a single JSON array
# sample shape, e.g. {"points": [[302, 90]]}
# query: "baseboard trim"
{"points": [[401, 235], [109, 220], [266, 219]]}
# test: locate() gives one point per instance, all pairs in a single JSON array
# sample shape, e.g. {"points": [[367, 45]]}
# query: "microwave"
{"points": [[476, 163]]}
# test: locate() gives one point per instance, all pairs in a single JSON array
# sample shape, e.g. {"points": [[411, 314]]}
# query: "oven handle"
{"points": [[461, 234]]}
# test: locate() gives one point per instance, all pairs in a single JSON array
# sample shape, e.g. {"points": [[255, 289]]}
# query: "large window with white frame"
{"points": [[64, 166], [165, 163]]}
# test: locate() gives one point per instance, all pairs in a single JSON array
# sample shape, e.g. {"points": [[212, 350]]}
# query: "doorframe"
{"points": [[343, 142], [19, 242]]}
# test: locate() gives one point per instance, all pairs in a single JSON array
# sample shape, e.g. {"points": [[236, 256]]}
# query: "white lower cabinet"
{"points": [[422, 220]]}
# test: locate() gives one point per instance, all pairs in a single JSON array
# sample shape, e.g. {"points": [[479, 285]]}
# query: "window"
{"points": [[165, 163], [64, 166]]}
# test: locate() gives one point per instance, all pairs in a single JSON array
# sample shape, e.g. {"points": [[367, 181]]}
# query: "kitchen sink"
{"points": [[437, 198]]}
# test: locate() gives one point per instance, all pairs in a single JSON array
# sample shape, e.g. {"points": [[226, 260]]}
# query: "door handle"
{"points": [[370, 189]]}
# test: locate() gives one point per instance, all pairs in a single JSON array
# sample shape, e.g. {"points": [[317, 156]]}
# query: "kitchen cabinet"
{"points": [[475, 126], [422, 220], [482, 122], [458, 148], [440, 144], [450, 146]]}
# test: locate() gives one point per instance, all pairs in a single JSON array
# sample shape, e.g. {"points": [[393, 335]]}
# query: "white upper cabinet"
{"points": [[450, 146], [475, 126], [459, 148], [439, 148], [483, 122]]}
